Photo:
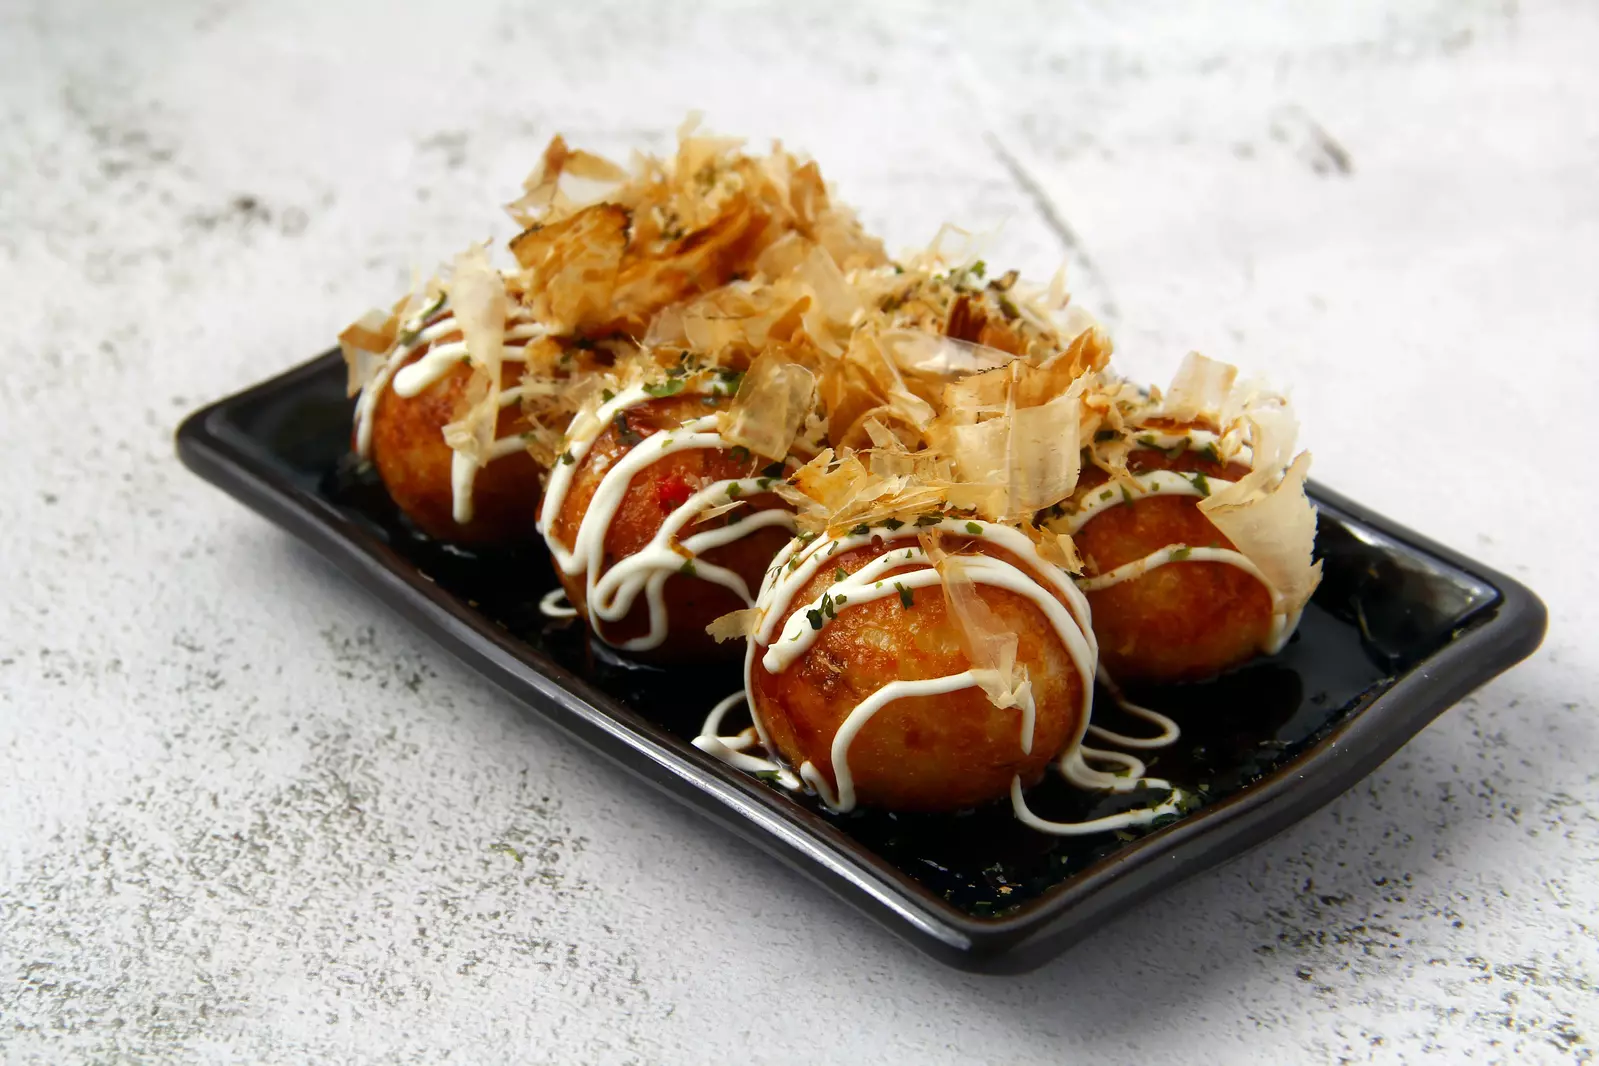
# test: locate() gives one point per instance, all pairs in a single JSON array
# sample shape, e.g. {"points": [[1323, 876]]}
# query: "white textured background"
{"points": [[248, 815]]}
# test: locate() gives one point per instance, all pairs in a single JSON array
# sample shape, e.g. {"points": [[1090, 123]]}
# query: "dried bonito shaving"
{"points": [[667, 230], [477, 295], [1266, 513], [934, 292], [797, 296], [365, 342], [989, 644], [771, 405], [1018, 430], [594, 272]]}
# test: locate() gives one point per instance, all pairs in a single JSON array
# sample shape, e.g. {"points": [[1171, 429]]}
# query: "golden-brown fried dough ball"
{"points": [[650, 497], [939, 752], [412, 458], [1184, 621]]}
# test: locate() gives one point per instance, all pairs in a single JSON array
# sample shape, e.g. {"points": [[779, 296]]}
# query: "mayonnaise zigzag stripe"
{"points": [[612, 594]]}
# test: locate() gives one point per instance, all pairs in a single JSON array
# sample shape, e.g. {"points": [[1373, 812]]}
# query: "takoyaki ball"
{"points": [[412, 458], [653, 493], [1185, 621], [920, 753]]}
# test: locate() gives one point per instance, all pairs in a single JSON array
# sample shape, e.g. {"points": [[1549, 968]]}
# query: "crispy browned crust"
{"points": [[1182, 622]]}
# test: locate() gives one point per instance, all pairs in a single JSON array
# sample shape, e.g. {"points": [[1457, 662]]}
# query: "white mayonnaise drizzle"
{"points": [[553, 604], [1139, 817], [798, 563], [439, 359], [732, 749], [612, 594], [1169, 731], [1150, 483], [463, 473]]}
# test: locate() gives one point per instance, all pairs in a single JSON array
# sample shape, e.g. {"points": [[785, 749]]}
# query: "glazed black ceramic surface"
{"points": [[1399, 630]]}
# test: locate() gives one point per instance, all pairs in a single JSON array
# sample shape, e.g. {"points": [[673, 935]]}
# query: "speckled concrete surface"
{"points": [[248, 815]]}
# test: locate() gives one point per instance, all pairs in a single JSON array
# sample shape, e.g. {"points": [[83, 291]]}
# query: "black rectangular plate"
{"points": [[1400, 629]]}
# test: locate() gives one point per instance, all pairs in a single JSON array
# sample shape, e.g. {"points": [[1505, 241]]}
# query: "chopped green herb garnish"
{"points": [[771, 777], [606, 395], [687, 567], [860, 530], [973, 528], [905, 597], [566, 458], [929, 520], [1209, 452], [772, 471], [1179, 553], [733, 490], [1106, 494], [1202, 484], [670, 387], [892, 524], [1127, 497], [816, 619], [840, 574]]}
